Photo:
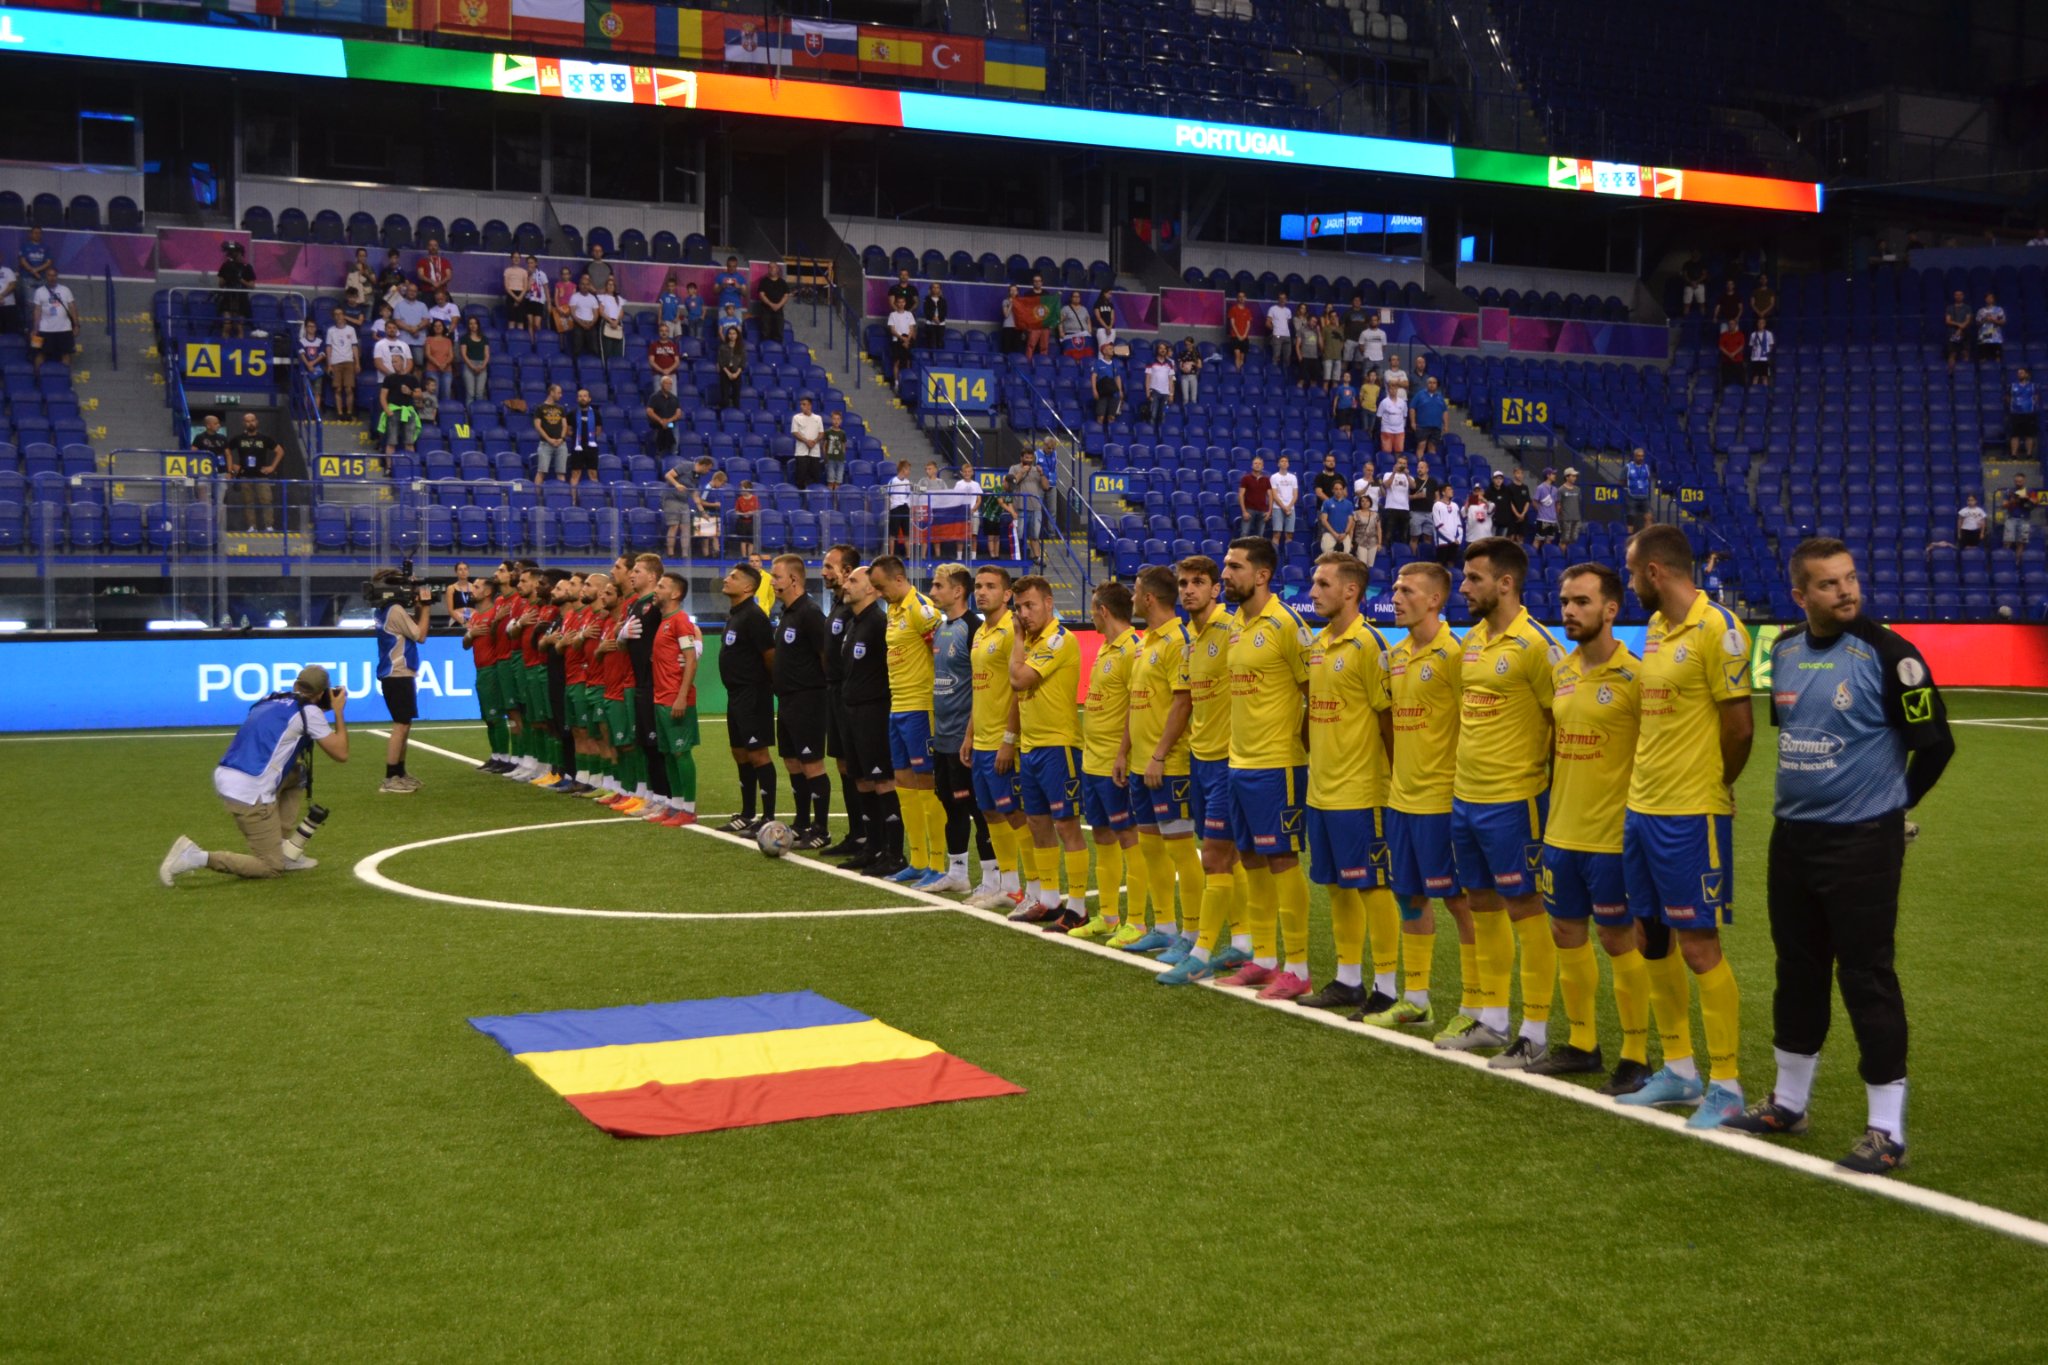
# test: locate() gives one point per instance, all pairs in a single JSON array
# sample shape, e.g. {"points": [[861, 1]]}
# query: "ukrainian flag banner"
{"points": [[1014, 66], [696, 1066]]}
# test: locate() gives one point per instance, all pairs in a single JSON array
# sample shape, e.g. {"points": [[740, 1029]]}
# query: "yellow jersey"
{"points": [[1348, 767], [992, 691], [1158, 670], [1208, 683], [1505, 692], [1049, 717], [1109, 703], [909, 636], [1268, 665], [1690, 667], [1596, 711], [1423, 677], [765, 595]]}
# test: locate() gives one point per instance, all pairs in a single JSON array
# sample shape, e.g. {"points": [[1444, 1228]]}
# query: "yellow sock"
{"points": [[1383, 918], [1539, 967], [912, 801], [937, 858], [1419, 959], [1077, 879], [1671, 1004], [1218, 889], [1347, 921], [1027, 859], [1160, 876], [1470, 997], [1496, 944], [1137, 884], [1240, 903], [1292, 886], [1186, 857], [1262, 915], [1109, 880], [1721, 1012], [1632, 1003], [1578, 972], [1003, 839]]}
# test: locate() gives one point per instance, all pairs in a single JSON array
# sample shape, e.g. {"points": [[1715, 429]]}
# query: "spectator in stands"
{"points": [[708, 502], [34, 258], [311, 355], [1032, 486], [1237, 330], [1308, 346], [611, 325], [351, 311], [1104, 315], [559, 293], [399, 421], [235, 279], [678, 502], [664, 357], [931, 330], [1418, 375], [729, 316], [1991, 330], [1763, 303], [997, 518], [584, 316], [1286, 491], [1428, 412], [1073, 324], [732, 368], [391, 280], [598, 270], [1333, 346], [551, 425], [1393, 419], [1367, 532], [807, 430], [966, 509], [360, 278], [1109, 385], [513, 281], [1036, 313], [1568, 509], [1187, 363], [771, 298], [1366, 489], [476, 362], [693, 312], [663, 409], [1009, 340], [1329, 481], [834, 448], [1397, 502], [1394, 377], [1255, 500], [211, 440], [1762, 344], [1335, 517], [11, 309], [1728, 308], [1372, 338], [903, 294], [1544, 500], [1693, 296], [1636, 488], [409, 314], [1970, 520], [1958, 317], [1159, 377], [669, 302], [2019, 503], [902, 326], [434, 270], [440, 356], [898, 494], [586, 439], [253, 462], [390, 348], [342, 358], [1447, 524], [2022, 415], [1370, 390], [383, 328], [446, 311], [1280, 330], [1478, 515], [1731, 346], [2040, 237], [1515, 513], [1496, 494], [745, 507], [1424, 485]]}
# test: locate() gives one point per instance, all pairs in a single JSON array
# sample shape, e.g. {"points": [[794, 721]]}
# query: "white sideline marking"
{"points": [[1758, 1149]]}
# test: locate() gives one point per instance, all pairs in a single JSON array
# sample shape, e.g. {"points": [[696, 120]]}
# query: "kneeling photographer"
{"points": [[266, 776], [402, 604]]}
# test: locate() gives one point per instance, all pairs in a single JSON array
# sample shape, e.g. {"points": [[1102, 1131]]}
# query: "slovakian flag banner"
{"points": [[696, 1066], [822, 46]]}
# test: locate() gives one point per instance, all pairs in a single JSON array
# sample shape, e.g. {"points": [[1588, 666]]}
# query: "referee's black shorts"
{"points": [[800, 726], [750, 719], [867, 733], [401, 699]]}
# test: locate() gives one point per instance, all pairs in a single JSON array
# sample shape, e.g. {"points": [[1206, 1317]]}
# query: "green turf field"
{"points": [[249, 1120]]}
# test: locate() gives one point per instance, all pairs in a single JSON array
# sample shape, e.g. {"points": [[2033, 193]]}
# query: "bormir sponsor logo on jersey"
{"points": [[1232, 141]]}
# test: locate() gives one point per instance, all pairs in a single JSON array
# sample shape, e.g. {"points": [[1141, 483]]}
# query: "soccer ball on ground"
{"points": [[775, 839]]}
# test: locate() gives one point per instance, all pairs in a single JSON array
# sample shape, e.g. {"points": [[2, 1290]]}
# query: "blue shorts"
{"points": [[1169, 803], [1678, 868], [1499, 844], [910, 741], [1052, 782], [1576, 884], [1349, 848], [1105, 803], [1266, 809], [1424, 863], [1210, 782], [994, 791]]}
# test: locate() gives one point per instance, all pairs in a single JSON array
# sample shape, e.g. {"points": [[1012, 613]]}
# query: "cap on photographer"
{"points": [[402, 605], [265, 777]]}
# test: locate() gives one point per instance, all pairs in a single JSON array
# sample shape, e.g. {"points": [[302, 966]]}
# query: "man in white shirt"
{"points": [[342, 359], [1286, 493], [1280, 322], [899, 491], [1449, 521], [1761, 344], [56, 312], [1394, 490], [902, 330], [1395, 377], [386, 353], [808, 429], [10, 299], [1393, 412], [447, 312], [583, 314], [1158, 384], [1373, 343], [966, 500]]}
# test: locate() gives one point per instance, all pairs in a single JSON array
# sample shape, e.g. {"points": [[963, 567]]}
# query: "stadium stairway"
{"points": [[123, 408]]}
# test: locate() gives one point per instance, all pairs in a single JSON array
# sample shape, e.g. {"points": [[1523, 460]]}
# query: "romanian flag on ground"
{"points": [[696, 1066]]}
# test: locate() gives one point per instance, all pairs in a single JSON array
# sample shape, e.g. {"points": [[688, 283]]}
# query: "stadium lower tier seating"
{"points": [[395, 230]]}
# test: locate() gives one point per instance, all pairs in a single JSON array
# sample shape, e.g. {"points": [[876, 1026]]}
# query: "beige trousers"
{"points": [[263, 829]]}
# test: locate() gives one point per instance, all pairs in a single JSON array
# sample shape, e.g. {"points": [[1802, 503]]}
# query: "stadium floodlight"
{"points": [[12, 627], [167, 624]]}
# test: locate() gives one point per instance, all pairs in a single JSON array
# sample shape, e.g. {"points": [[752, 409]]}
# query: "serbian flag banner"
{"points": [[559, 21], [696, 1066], [823, 47], [755, 44]]}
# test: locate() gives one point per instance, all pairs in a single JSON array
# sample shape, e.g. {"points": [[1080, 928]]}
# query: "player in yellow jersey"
{"points": [[912, 620], [1598, 696], [1045, 677], [1269, 646], [1677, 836], [1154, 766], [1105, 801], [1201, 710], [1350, 764], [1499, 797], [1422, 676], [991, 748]]}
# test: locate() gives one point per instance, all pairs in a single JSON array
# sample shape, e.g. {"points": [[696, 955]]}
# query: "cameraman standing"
{"points": [[264, 778], [399, 632]]}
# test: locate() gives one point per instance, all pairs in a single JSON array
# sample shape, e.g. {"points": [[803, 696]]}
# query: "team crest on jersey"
{"points": [[1336, 665], [1212, 651], [1427, 673], [1556, 656], [1732, 641], [1152, 659], [789, 635], [1500, 665], [1605, 696], [1843, 701], [1258, 639], [732, 637], [1678, 655], [837, 625], [860, 651]]}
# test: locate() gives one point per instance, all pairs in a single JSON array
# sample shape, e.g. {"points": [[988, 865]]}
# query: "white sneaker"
{"points": [[953, 883], [185, 856], [300, 864], [991, 898], [398, 785]]}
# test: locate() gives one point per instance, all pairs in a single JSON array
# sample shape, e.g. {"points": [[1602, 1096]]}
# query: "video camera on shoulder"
{"points": [[398, 588]]}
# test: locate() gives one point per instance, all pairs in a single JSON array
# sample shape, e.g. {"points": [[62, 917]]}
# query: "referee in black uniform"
{"points": [[746, 667], [800, 637], [840, 561], [865, 698], [1862, 736], [641, 578]]}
